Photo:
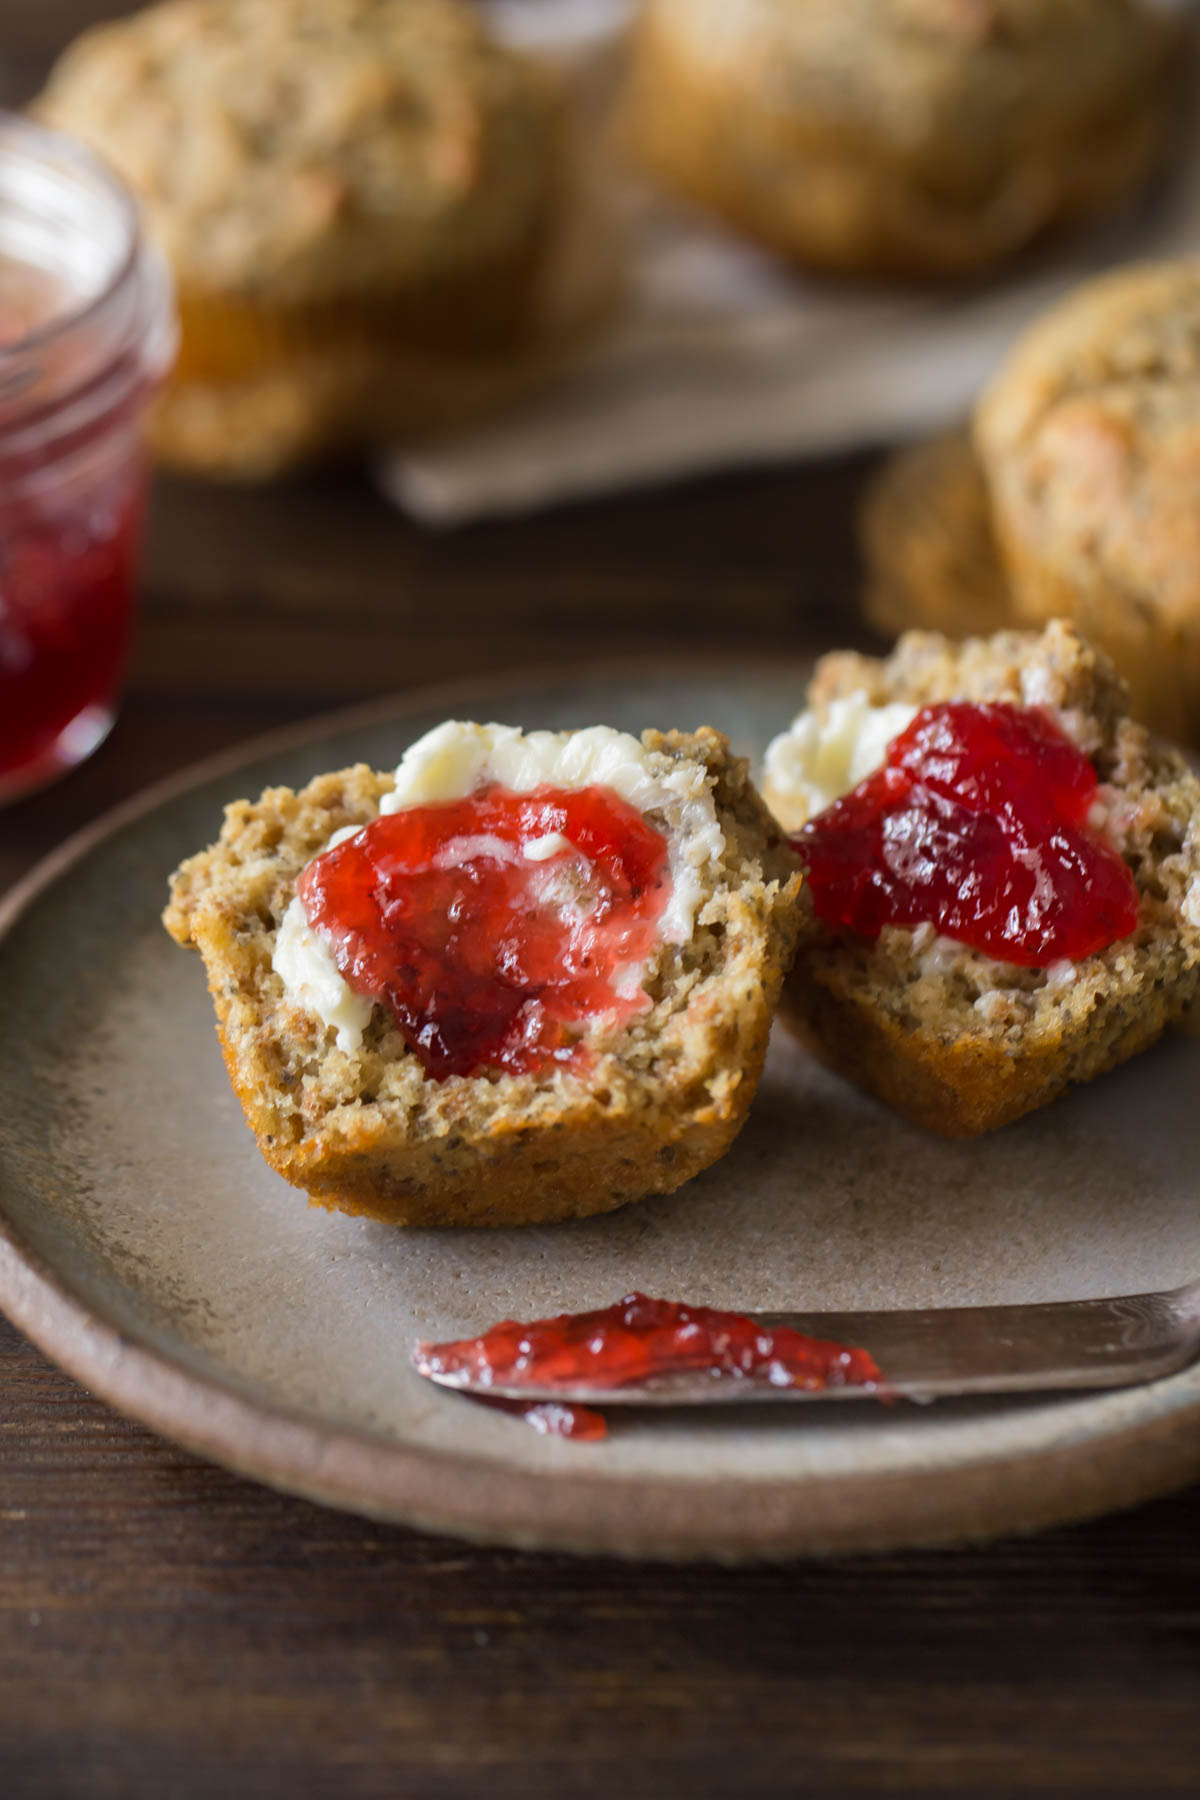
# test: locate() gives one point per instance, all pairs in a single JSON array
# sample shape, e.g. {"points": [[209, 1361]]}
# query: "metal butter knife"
{"points": [[932, 1355]]}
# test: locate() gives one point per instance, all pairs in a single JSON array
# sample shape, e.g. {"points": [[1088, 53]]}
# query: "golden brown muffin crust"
{"points": [[1090, 442]]}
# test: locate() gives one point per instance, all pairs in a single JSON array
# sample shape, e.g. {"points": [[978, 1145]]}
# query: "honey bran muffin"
{"points": [[957, 1041], [930, 552], [354, 196], [345, 1110], [926, 138], [1089, 439]]}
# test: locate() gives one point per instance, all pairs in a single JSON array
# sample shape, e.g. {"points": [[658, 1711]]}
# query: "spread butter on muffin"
{"points": [[527, 977], [359, 200], [1003, 872], [1089, 438], [924, 138]]}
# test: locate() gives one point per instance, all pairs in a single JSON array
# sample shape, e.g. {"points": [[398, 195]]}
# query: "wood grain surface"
{"points": [[170, 1631]]}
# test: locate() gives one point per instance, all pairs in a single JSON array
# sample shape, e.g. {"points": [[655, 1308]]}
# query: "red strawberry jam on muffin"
{"points": [[495, 927], [976, 823]]}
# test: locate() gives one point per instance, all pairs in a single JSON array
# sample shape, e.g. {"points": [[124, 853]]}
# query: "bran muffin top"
{"points": [[953, 87], [1090, 438], [305, 149]]}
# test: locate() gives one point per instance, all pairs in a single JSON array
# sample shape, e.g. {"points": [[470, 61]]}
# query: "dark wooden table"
{"points": [[170, 1631]]}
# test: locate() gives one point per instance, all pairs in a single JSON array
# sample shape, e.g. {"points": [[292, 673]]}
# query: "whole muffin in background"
{"points": [[359, 199], [928, 544], [1089, 440], [926, 138]]}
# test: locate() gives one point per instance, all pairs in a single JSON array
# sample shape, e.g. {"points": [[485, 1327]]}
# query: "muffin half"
{"points": [[1010, 907], [525, 978]]}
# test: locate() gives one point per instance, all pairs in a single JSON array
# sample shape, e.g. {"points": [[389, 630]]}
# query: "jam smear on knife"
{"points": [[638, 1339]]}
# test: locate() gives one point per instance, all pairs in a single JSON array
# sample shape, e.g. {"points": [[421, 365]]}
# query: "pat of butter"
{"points": [[313, 981], [455, 759], [826, 753], [541, 849]]}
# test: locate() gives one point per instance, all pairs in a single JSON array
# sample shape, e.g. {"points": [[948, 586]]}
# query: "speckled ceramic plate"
{"points": [[145, 1246]]}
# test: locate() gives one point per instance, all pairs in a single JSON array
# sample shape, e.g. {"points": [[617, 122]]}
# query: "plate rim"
{"points": [[1079, 1474]]}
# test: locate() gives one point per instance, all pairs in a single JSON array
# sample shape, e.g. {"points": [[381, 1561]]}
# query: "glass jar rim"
{"points": [[17, 131], [106, 346]]}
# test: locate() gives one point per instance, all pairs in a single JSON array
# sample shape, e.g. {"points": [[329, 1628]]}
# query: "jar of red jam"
{"points": [[87, 329]]}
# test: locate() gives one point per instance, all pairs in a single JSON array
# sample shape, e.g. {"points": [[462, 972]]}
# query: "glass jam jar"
{"points": [[87, 329]]}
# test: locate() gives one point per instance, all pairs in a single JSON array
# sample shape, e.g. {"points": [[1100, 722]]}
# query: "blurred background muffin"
{"points": [[928, 544], [926, 138], [1075, 495], [1089, 442], [362, 201]]}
